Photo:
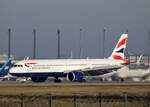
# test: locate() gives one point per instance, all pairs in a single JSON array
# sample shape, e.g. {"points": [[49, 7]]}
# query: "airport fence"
{"points": [[75, 100]]}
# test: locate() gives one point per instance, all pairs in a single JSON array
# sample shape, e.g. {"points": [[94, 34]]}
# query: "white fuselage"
{"points": [[57, 67]]}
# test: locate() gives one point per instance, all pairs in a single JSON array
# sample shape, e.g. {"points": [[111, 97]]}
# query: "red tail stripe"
{"points": [[122, 42], [117, 57]]}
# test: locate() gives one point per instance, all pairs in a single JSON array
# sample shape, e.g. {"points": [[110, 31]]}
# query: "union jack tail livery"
{"points": [[118, 52]]}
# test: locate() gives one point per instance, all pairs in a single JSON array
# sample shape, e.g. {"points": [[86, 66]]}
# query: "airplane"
{"points": [[74, 70], [125, 73]]}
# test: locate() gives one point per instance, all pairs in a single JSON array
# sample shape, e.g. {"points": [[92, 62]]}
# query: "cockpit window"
{"points": [[15, 65], [18, 66]]}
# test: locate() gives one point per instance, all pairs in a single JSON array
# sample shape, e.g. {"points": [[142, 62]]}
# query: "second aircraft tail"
{"points": [[5, 68]]}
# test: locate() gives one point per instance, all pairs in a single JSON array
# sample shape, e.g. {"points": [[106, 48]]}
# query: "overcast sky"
{"points": [[69, 15]]}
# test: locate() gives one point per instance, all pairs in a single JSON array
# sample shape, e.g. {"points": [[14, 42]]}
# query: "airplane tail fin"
{"points": [[5, 68], [118, 52]]}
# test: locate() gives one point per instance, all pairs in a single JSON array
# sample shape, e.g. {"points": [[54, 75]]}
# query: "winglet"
{"points": [[5, 68]]}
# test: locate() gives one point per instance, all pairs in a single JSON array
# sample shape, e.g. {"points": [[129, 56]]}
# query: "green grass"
{"points": [[58, 89], [87, 89]]}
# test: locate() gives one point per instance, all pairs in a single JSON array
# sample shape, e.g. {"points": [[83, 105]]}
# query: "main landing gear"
{"points": [[57, 80], [38, 79]]}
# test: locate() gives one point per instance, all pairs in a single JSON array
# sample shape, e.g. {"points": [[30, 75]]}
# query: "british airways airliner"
{"points": [[72, 69]]}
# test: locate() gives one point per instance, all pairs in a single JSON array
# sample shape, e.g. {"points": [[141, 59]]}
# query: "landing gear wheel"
{"points": [[83, 80], [38, 79], [122, 79], [57, 80]]}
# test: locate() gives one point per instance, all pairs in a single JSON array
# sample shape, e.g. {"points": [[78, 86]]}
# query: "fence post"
{"points": [[125, 99], [100, 99], [74, 97], [49, 100], [148, 98], [22, 100]]}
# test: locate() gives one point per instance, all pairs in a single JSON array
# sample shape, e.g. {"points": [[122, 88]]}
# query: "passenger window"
{"points": [[20, 66]]}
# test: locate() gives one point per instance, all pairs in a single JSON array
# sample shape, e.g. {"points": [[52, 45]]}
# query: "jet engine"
{"points": [[75, 76], [38, 79]]}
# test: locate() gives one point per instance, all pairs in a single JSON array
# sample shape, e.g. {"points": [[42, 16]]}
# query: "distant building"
{"points": [[138, 61]]}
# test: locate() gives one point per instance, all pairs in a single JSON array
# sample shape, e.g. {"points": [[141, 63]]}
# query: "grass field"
{"points": [[61, 89], [68, 89]]}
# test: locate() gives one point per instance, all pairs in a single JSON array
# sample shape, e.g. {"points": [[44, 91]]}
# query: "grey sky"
{"points": [[69, 15]]}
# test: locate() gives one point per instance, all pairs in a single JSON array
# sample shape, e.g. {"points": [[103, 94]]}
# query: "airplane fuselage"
{"points": [[58, 67]]}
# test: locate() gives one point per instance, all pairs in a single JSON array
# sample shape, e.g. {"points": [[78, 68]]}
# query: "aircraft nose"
{"points": [[11, 70]]}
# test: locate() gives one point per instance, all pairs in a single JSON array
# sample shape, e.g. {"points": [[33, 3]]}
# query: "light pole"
{"points": [[9, 43], [149, 45], [104, 45], [58, 43], [126, 50], [81, 42], [34, 43]]}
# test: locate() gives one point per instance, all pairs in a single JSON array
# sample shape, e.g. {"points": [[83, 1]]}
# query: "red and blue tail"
{"points": [[118, 52]]}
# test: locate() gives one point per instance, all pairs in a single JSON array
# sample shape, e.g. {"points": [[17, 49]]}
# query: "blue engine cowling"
{"points": [[75, 76]]}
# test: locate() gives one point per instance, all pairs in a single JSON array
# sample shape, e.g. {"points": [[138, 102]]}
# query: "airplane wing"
{"points": [[100, 70], [78, 75], [93, 71], [113, 67]]}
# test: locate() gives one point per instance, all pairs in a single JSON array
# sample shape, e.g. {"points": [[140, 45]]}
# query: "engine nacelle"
{"points": [[38, 79], [75, 76]]}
